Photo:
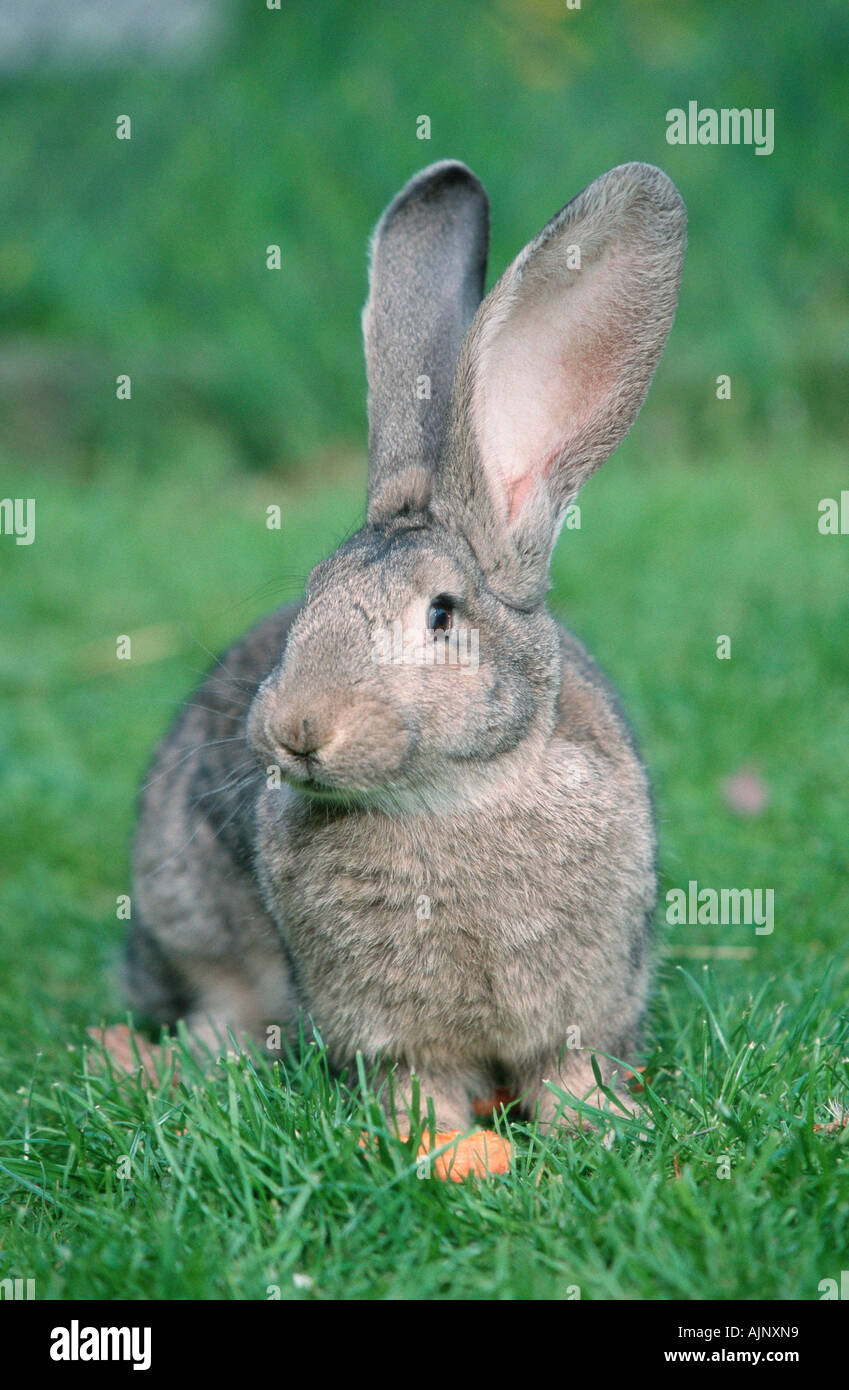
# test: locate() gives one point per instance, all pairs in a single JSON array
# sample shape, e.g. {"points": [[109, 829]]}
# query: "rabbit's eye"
{"points": [[440, 614]]}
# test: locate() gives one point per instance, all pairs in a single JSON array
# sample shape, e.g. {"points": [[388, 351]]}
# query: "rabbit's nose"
{"points": [[299, 736]]}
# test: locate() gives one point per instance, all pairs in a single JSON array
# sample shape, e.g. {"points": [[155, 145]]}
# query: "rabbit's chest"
{"points": [[397, 944]]}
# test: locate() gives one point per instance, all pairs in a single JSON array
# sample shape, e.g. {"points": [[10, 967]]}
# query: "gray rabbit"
{"points": [[448, 864]]}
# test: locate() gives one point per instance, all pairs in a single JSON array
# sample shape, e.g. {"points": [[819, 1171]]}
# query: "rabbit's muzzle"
{"points": [[346, 740]]}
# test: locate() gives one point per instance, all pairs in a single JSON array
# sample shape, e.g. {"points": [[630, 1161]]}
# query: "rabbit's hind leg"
{"points": [[224, 1004], [202, 948]]}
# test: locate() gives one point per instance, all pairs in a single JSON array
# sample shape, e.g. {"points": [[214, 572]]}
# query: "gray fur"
{"points": [[427, 276], [457, 871], [634, 214]]}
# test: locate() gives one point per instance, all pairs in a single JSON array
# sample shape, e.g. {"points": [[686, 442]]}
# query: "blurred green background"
{"points": [[253, 127], [295, 127]]}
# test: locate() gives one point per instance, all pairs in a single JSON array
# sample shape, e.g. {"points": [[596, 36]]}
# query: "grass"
{"points": [[250, 1178], [296, 127]]}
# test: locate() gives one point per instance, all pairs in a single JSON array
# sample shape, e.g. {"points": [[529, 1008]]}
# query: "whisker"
{"points": [[228, 678], [196, 748], [296, 582], [208, 709], [201, 822], [235, 811], [239, 774]]}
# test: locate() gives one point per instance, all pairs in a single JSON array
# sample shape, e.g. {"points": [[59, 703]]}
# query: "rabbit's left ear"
{"points": [[555, 367], [427, 275]]}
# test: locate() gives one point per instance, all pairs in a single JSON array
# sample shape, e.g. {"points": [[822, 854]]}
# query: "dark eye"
{"points": [[440, 614]]}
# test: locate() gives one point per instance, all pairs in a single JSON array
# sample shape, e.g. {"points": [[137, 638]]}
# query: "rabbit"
{"points": [[449, 866]]}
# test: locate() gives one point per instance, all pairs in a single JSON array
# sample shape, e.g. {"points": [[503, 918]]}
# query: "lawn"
{"points": [[250, 1182]]}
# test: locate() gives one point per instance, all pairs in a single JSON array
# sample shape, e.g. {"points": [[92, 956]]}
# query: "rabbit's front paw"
{"points": [[548, 1098]]}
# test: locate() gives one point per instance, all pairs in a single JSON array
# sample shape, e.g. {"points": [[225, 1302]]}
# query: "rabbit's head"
{"points": [[424, 652]]}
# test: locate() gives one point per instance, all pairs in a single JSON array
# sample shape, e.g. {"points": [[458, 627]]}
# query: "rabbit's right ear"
{"points": [[554, 370], [427, 276]]}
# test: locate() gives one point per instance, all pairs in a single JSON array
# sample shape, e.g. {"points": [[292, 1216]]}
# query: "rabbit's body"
{"points": [[481, 936], [449, 867], [485, 941]]}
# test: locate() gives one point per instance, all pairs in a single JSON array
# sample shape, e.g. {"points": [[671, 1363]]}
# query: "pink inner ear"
{"points": [[531, 433], [519, 489], [517, 492], [548, 364]]}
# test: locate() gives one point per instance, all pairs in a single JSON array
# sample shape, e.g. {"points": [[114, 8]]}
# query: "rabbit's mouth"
{"points": [[312, 786], [326, 793], [305, 776], [321, 786]]}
